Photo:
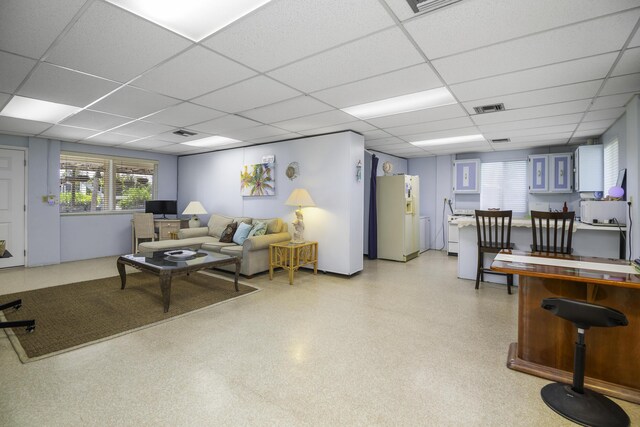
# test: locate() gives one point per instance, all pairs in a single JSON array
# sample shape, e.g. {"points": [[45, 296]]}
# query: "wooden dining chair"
{"points": [[494, 235], [552, 231], [143, 228]]}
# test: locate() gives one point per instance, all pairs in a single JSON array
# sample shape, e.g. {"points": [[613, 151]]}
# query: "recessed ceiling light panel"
{"points": [[451, 140], [211, 141], [35, 109], [194, 19], [402, 104]]}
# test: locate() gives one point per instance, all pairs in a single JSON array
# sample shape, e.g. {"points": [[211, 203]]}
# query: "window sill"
{"points": [[94, 213]]}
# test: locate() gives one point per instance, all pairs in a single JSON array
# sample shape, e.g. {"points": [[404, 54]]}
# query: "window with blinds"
{"points": [[610, 165], [503, 185], [92, 183]]}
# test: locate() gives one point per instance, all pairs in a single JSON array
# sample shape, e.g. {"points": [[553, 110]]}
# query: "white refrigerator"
{"points": [[398, 212]]}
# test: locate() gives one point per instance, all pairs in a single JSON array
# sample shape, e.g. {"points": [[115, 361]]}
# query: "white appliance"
{"points": [[397, 208], [603, 212], [425, 236]]}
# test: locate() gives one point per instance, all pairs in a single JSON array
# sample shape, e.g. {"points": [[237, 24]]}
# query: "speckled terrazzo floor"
{"points": [[398, 344]]}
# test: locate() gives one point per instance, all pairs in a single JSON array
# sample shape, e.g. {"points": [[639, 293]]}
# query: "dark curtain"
{"points": [[373, 216]]}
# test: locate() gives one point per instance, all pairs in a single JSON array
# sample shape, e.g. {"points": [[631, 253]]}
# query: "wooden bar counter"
{"points": [[546, 342]]}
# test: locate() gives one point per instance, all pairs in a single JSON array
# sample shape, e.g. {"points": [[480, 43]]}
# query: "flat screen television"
{"points": [[161, 207]]}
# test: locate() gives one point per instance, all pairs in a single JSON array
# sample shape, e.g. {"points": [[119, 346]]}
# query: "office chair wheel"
{"points": [[30, 329]]}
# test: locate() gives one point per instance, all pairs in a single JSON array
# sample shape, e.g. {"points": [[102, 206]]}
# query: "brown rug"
{"points": [[83, 313]]}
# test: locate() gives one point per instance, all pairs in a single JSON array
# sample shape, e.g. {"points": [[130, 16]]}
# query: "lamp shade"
{"points": [[194, 208], [300, 197]]}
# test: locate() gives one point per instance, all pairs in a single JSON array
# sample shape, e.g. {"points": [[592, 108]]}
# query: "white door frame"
{"points": [[26, 193]]}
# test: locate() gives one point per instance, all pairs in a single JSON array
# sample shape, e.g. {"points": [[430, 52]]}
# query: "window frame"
{"points": [[113, 161]]}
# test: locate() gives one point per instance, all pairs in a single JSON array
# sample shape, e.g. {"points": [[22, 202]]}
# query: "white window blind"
{"points": [[91, 183], [610, 165], [504, 186]]}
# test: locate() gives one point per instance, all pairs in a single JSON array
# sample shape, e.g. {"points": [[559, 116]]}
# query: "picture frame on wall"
{"points": [[258, 180], [466, 176]]}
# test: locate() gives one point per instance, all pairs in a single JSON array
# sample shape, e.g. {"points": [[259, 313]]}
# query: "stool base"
{"points": [[588, 409]]}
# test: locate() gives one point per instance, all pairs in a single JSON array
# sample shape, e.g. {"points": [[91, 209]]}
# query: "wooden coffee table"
{"points": [[166, 267]]}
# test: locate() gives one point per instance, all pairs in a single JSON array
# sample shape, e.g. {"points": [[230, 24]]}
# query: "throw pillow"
{"points": [[258, 229], [227, 234], [241, 233]]}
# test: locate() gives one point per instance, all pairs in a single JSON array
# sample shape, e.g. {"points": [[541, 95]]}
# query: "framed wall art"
{"points": [[258, 180]]}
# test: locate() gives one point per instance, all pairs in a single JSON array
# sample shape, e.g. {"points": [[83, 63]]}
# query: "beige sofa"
{"points": [[254, 252]]}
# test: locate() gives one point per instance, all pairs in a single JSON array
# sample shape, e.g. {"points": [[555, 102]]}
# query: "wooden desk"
{"points": [[292, 256], [165, 227], [546, 342]]}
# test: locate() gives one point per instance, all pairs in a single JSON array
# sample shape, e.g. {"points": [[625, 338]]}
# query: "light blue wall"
{"points": [[400, 165], [327, 167], [54, 238]]}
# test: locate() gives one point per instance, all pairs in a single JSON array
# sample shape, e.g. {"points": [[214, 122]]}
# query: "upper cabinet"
{"points": [[589, 172], [466, 176], [551, 173]]}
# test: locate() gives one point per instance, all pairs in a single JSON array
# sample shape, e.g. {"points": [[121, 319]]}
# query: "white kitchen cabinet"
{"points": [[550, 173], [589, 169]]}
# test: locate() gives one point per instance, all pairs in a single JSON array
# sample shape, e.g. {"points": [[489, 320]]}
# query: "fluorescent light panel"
{"points": [[402, 104], [210, 141], [194, 19], [35, 109], [451, 140]]}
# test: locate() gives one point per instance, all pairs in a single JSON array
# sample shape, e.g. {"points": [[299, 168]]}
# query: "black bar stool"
{"points": [[580, 405]]}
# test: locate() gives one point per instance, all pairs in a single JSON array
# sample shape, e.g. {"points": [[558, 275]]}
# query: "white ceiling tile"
{"points": [[559, 138], [4, 98], [67, 133], [459, 148], [329, 118], [528, 144], [384, 142], [89, 119], [147, 143], [28, 27], [355, 61], [141, 129], [550, 110], [401, 9], [169, 136], [375, 134], [629, 63], [287, 30], [357, 126], [456, 123], [420, 116], [132, 102], [178, 149], [226, 123], [255, 92], [635, 41], [563, 131], [248, 134], [595, 125], [611, 113], [55, 84], [30, 127], [109, 138], [621, 84], [589, 132], [533, 98], [611, 101], [285, 110], [579, 70], [568, 119], [13, 70], [185, 114], [109, 42], [413, 79], [283, 137], [193, 73], [567, 43], [474, 23], [441, 134]]}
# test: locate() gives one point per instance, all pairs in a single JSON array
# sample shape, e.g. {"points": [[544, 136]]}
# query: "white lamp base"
{"points": [[194, 222], [298, 228]]}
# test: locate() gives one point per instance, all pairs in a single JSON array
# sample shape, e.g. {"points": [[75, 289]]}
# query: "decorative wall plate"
{"points": [[387, 167], [292, 171]]}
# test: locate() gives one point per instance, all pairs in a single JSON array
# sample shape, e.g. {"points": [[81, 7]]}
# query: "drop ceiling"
{"points": [[563, 69]]}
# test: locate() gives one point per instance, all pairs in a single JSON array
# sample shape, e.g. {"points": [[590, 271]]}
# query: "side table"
{"points": [[291, 256]]}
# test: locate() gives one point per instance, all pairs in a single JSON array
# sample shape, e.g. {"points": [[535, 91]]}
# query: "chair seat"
{"points": [[495, 247]]}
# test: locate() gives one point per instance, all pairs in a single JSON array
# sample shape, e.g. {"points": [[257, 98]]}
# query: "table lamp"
{"points": [[299, 197], [194, 209]]}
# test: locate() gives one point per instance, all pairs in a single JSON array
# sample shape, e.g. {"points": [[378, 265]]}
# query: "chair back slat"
{"points": [[558, 223], [492, 228]]}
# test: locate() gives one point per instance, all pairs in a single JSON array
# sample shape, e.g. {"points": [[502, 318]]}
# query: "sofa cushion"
{"points": [[217, 224], [234, 250], [241, 233], [244, 219], [258, 229], [274, 225], [215, 246], [229, 231]]}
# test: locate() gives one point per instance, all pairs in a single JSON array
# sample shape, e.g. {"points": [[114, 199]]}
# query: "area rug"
{"points": [[78, 314]]}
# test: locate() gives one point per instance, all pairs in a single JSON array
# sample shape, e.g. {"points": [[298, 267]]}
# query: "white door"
{"points": [[12, 206]]}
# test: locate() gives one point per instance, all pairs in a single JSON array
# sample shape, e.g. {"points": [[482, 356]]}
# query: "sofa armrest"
{"points": [[255, 243], [185, 233]]}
